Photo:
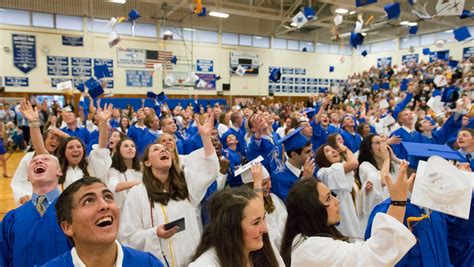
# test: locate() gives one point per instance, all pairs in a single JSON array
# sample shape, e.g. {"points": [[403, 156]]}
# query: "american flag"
{"points": [[163, 57]]}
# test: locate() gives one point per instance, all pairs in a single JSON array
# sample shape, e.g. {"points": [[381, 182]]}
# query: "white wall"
{"points": [[95, 46]]}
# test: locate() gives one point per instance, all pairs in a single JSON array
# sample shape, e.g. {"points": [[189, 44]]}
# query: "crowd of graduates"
{"points": [[325, 181]]}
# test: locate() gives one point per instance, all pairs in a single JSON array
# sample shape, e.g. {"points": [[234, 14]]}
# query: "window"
{"points": [[346, 50], [322, 48], [447, 36], [427, 39], [69, 22], [333, 49], [124, 28], [207, 36], [245, 40], [279, 43], [145, 30], [293, 45], [43, 20], [98, 25], [389, 45], [405, 43], [262, 42], [308, 45], [230, 38], [15, 17]]}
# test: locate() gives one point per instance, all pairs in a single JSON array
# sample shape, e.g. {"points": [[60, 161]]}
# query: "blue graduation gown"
{"points": [[352, 141], [282, 182], [136, 134], [320, 134], [461, 239], [264, 149], [185, 147], [131, 257], [29, 239], [80, 132], [431, 248], [235, 161], [400, 106], [241, 146], [415, 137]]}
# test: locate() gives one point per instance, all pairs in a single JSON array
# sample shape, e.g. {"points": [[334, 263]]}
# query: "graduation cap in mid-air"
{"points": [[461, 33], [331, 68], [392, 10], [275, 75], [95, 88], [133, 15], [426, 51], [413, 29], [364, 53], [356, 39]]}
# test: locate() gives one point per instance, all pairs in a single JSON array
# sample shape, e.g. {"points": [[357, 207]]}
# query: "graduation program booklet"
{"points": [[441, 186]]}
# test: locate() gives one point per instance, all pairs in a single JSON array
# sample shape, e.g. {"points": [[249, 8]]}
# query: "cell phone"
{"points": [[179, 222]]}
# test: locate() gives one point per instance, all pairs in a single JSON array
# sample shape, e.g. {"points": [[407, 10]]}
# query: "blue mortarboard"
{"points": [[331, 68], [218, 77], [161, 97], [356, 39], [386, 86], [294, 140], [304, 49], [275, 75], [453, 63], [202, 13], [133, 15], [310, 112], [375, 87], [151, 95], [412, 2], [392, 10], [450, 94], [461, 33], [95, 89], [309, 12], [404, 84], [423, 151], [80, 87], [426, 51], [174, 60], [442, 55], [101, 71], [430, 119], [413, 29], [465, 14], [364, 53], [364, 2]]}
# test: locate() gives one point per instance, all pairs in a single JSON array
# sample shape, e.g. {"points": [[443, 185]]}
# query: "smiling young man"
{"points": [[88, 215], [30, 235]]}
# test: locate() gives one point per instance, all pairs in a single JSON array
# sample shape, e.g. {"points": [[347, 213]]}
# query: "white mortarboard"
{"points": [[245, 171], [299, 19], [441, 186], [192, 78], [358, 26], [240, 71], [440, 80], [170, 80], [436, 105], [67, 85], [201, 84], [338, 20], [383, 103], [112, 22], [449, 7]]}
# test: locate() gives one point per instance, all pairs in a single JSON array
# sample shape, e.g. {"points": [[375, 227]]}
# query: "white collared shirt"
{"points": [[293, 169], [408, 130], [79, 263]]}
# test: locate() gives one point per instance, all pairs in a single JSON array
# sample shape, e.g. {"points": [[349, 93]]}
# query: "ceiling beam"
{"points": [[175, 8], [287, 14]]}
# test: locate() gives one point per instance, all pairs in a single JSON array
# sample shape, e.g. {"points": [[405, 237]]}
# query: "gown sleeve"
{"points": [[99, 162], [200, 172], [136, 230], [390, 241], [335, 177], [20, 185], [112, 179]]}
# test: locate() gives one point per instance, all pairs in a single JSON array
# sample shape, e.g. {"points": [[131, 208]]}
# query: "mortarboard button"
{"points": [[275, 75], [426, 51], [364, 53], [294, 140], [461, 33], [101, 71], [133, 15], [95, 89], [392, 10]]}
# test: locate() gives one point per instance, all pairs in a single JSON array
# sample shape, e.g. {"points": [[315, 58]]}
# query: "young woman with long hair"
{"points": [[125, 171], [237, 234], [169, 193], [312, 239]]}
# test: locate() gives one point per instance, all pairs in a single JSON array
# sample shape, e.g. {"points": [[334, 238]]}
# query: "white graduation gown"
{"points": [[114, 177], [389, 242], [20, 185], [210, 259], [98, 163], [366, 201], [276, 221], [341, 183], [139, 221]]}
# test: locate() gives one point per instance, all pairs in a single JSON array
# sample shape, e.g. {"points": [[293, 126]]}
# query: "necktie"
{"points": [[39, 205], [468, 157]]}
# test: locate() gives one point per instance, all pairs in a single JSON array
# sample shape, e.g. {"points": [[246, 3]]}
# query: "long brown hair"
{"points": [[224, 231], [178, 190], [61, 154]]}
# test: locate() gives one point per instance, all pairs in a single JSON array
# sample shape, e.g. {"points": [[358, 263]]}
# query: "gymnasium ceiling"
{"points": [[258, 17]]}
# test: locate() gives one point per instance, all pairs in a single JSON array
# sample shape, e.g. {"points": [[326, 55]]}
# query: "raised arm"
{"points": [[399, 192], [257, 179], [205, 131], [33, 118], [321, 110], [351, 161], [104, 115]]}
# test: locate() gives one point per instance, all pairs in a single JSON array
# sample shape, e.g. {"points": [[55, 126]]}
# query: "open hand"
{"points": [[399, 189], [28, 112]]}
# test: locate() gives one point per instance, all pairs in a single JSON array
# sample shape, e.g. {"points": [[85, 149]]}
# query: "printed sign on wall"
{"points": [[131, 57], [467, 52], [73, 40], [16, 81], [24, 52], [57, 65], [210, 79], [139, 78], [384, 62], [204, 65], [409, 57]]}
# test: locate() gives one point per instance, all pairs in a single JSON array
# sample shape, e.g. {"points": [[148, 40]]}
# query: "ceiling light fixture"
{"points": [[341, 11], [404, 23], [352, 12], [293, 24], [117, 1], [218, 14], [364, 34], [411, 24]]}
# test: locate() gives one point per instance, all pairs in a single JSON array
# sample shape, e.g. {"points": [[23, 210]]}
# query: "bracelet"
{"points": [[258, 189], [34, 123], [398, 203]]}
